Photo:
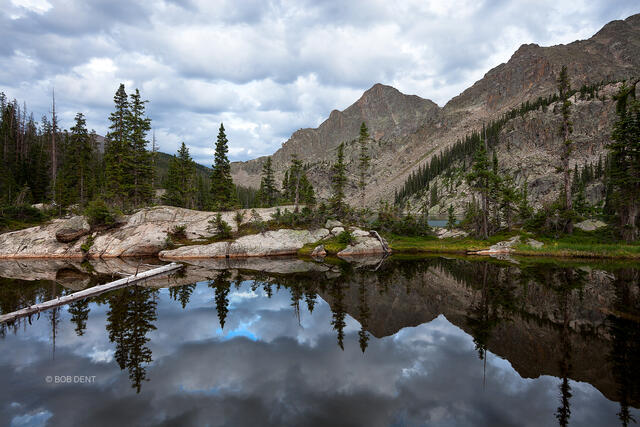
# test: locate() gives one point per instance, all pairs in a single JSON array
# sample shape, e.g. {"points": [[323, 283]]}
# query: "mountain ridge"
{"points": [[408, 130]]}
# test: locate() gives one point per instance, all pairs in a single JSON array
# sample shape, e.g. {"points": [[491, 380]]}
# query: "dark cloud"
{"points": [[265, 68]]}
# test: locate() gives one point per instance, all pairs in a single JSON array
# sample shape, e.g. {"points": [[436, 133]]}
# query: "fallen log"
{"points": [[385, 247], [96, 290]]}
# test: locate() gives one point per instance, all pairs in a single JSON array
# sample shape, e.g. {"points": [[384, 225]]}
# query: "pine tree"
{"points": [[364, 161], [181, 179], [509, 199], [223, 192], [524, 209], [565, 131], [495, 192], [338, 182], [286, 194], [268, 192], [451, 220], [480, 179], [295, 175], [140, 161], [624, 169], [307, 194], [117, 150], [77, 166]]}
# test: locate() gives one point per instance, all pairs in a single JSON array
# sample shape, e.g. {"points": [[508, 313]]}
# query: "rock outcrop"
{"points": [[590, 225], [270, 243], [363, 245], [142, 234]]}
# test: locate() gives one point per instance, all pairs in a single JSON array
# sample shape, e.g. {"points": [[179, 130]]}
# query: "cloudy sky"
{"points": [[264, 68]]}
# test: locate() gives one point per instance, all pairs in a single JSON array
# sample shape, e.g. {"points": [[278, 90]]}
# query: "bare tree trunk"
{"points": [[54, 161]]}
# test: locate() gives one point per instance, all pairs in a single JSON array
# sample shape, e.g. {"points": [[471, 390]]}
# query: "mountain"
{"points": [[409, 130]]}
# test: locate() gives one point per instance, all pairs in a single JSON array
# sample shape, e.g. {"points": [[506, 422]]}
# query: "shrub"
{"points": [[87, 245], [22, 213], [345, 237], [98, 213], [221, 227], [178, 232], [238, 218]]}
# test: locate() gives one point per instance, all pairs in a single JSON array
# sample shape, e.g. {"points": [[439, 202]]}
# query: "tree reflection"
{"points": [[563, 412], [79, 312], [625, 349], [338, 309], [131, 314], [222, 285], [182, 293], [363, 313]]}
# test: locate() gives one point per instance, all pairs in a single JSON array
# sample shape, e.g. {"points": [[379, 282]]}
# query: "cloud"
{"points": [[264, 68], [285, 374]]}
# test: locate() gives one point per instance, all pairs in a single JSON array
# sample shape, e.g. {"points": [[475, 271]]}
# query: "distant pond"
{"points": [[396, 342]]}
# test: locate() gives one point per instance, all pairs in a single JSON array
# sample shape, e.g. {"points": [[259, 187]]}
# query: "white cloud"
{"points": [[265, 69]]}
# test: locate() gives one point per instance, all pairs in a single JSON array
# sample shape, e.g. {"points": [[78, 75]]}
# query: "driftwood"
{"points": [[96, 290], [385, 247]]}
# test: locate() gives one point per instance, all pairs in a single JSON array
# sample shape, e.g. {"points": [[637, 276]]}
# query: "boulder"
{"points": [[72, 229], [270, 243], [363, 246], [443, 233], [337, 230], [359, 233], [534, 243], [590, 225], [332, 223], [504, 247], [319, 252]]}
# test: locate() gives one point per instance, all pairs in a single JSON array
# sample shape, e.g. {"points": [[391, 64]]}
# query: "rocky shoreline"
{"points": [[147, 233]]}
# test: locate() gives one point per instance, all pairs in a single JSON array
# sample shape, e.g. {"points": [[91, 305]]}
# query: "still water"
{"points": [[405, 342]]}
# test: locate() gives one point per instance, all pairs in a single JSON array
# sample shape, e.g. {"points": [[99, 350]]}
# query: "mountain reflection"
{"points": [[575, 322]]}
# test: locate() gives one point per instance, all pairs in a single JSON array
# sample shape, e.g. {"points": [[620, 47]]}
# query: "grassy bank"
{"points": [[579, 245], [332, 246]]}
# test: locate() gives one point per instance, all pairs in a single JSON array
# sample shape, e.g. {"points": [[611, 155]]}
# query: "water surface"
{"points": [[432, 341]]}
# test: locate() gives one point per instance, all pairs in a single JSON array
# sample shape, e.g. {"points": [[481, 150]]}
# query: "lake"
{"points": [[395, 342]]}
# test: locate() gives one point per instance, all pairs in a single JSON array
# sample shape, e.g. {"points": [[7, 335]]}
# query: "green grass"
{"points": [[411, 244], [332, 246], [579, 245]]}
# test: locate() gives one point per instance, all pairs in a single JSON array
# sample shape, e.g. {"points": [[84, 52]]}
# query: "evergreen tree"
{"points": [[433, 199], [451, 220], [117, 154], [495, 192], [307, 194], [624, 168], [565, 131], [268, 192], [338, 182], [203, 196], [223, 193], [525, 211], [76, 175], [140, 161], [509, 198], [181, 180], [295, 175], [480, 179], [364, 161]]}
